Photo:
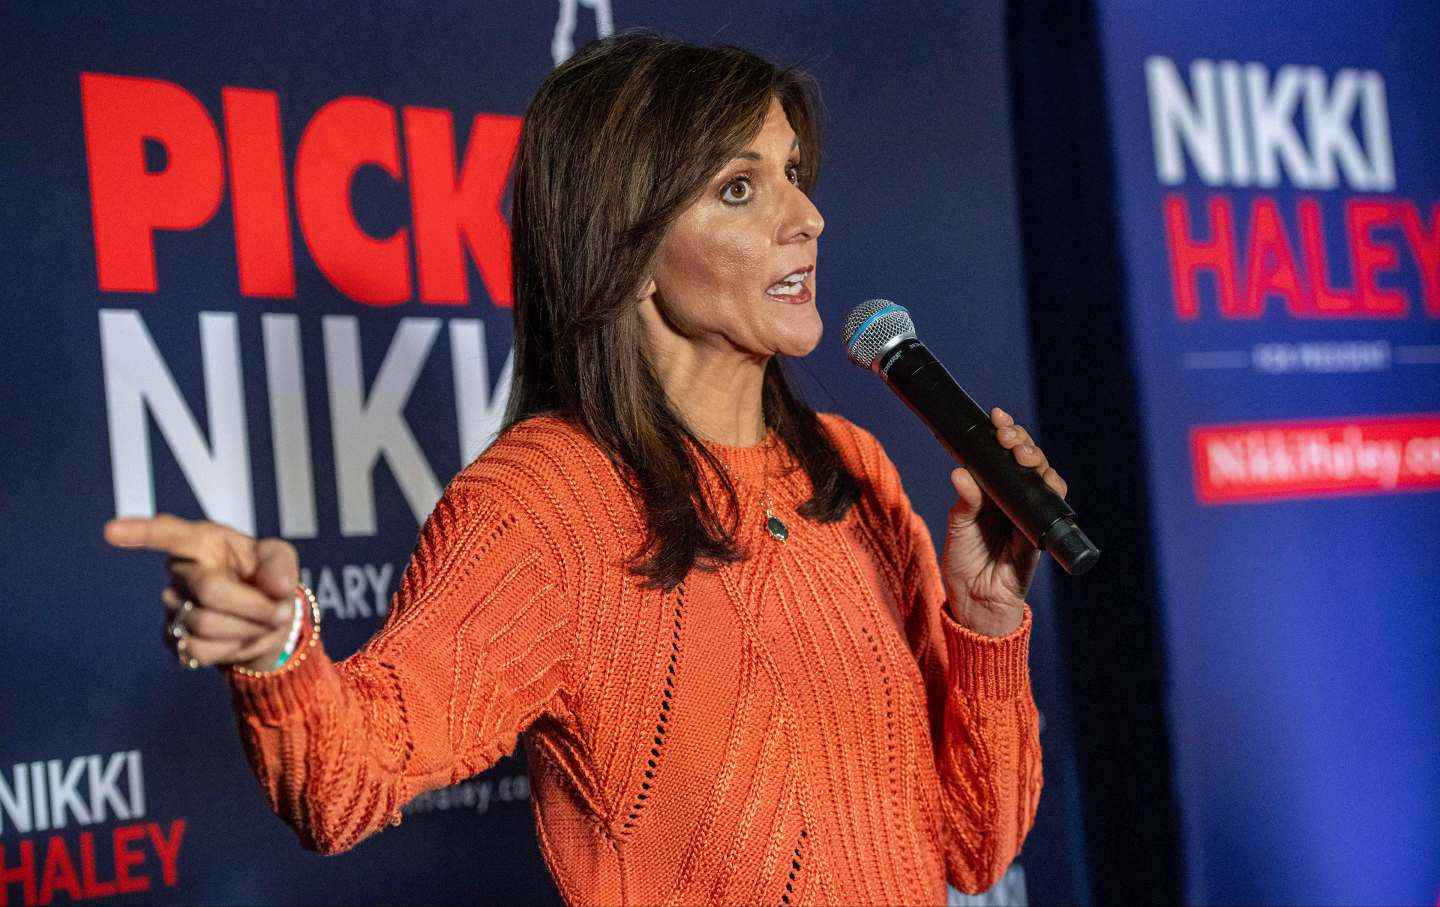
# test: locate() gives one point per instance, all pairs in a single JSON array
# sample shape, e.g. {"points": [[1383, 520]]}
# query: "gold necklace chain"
{"points": [[773, 524]]}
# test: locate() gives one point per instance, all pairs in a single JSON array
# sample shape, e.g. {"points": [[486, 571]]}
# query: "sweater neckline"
{"points": [[748, 464]]}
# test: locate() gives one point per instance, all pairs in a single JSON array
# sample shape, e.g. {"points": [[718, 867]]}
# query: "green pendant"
{"points": [[777, 528]]}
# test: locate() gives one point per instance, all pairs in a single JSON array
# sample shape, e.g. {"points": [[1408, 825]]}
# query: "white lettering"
{"points": [[1328, 116], [365, 427], [477, 793], [1376, 120], [1237, 134], [327, 594], [1238, 126], [63, 796], [349, 591], [1272, 457], [1422, 456], [289, 426], [367, 424], [1272, 125], [353, 579], [137, 784], [480, 410], [15, 801], [1176, 119], [48, 794], [104, 794], [1322, 357], [137, 381], [380, 583], [38, 788]]}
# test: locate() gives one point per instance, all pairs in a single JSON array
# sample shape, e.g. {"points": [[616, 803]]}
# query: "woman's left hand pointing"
{"points": [[988, 563]]}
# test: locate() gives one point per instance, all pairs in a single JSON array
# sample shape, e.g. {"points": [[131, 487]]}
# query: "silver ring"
{"points": [[183, 655], [180, 633], [178, 628]]}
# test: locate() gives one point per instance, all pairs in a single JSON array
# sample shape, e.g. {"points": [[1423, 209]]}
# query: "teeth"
{"points": [[789, 285]]}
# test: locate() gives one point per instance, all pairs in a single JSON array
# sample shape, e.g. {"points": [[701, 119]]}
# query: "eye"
{"points": [[792, 173], [737, 191]]}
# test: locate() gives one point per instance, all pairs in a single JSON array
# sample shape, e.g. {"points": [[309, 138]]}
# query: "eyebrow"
{"points": [[756, 156]]}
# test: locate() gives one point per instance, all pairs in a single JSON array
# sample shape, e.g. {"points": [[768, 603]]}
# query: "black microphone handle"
{"points": [[965, 429]]}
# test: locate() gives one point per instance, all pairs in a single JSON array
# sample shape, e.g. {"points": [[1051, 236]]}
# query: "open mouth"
{"points": [[792, 284]]}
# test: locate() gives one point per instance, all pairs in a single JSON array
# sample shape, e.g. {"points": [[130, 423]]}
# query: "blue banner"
{"points": [[1278, 202]]}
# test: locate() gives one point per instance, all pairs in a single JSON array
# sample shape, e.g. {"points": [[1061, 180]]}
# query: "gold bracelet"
{"points": [[298, 656]]}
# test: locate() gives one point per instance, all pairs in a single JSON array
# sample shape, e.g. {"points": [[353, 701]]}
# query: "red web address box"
{"points": [[1259, 461]]}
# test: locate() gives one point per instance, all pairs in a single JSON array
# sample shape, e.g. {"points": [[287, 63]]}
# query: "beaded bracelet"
{"points": [[297, 620], [285, 662]]}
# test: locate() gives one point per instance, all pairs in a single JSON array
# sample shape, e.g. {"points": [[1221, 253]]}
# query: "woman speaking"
{"points": [[744, 675]]}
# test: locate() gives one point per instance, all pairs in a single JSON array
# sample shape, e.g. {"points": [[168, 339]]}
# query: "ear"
{"points": [[647, 289]]}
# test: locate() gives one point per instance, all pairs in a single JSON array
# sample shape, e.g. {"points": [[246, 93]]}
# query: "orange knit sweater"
{"points": [[808, 725]]}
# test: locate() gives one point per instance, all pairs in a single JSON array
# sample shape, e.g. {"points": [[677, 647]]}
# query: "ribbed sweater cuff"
{"points": [[988, 667], [277, 698]]}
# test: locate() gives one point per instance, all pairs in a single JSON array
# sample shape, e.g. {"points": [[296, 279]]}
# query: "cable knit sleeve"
{"points": [[476, 646], [984, 724]]}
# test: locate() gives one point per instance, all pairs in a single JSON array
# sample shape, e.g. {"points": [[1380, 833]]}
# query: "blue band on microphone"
{"points": [[892, 307]]}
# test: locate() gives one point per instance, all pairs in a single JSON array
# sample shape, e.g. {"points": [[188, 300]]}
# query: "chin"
{"points": [[796, 347], [795, 334]]}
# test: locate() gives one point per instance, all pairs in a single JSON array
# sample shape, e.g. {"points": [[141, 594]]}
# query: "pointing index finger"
{"points": [[162, 532]]}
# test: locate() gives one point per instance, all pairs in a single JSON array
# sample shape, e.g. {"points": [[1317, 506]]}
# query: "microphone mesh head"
{"points": [[874, 326]]}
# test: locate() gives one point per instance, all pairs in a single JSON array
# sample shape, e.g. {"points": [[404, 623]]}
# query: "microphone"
{"points": [[880, 337]]}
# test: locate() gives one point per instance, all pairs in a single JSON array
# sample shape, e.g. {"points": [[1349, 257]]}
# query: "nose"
{"points": [[803, 221]]}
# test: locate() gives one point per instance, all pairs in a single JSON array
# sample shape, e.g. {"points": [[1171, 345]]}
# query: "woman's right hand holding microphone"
{"points": [[243, 591]]}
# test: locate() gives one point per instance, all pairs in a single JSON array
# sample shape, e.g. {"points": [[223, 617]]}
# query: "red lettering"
{"points": [[263, 249], [456, 210], [126, 856], [1270, 265], [1329, 300], [59, 872], [167, 847], [92, 886], [24, 873], [1188, 256], [128, 202], [1370, 256], [447, 212], [345, 135], [1426, 246], [1271, 268]]}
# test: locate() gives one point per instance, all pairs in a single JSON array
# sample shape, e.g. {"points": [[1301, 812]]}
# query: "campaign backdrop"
{"points": [[255, 269], [1277, 197]]}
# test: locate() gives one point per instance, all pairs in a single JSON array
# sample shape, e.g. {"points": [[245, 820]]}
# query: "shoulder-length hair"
{"points": [[617, 143]]}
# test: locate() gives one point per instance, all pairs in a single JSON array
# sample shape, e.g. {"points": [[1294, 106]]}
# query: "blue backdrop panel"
{"points": [[1278, 198], [197, 323]]}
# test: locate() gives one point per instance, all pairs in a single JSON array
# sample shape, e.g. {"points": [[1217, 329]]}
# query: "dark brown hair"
{"points": [[617, 143]]}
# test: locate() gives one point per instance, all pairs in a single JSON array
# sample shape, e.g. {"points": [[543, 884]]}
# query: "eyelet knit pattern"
{"points": [[805, 726]]}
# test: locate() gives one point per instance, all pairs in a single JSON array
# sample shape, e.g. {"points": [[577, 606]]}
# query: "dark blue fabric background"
{"points": [[918, 196]]}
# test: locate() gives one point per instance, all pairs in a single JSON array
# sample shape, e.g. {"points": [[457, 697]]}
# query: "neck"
{"points": [[719, 395], [719, 403]]}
